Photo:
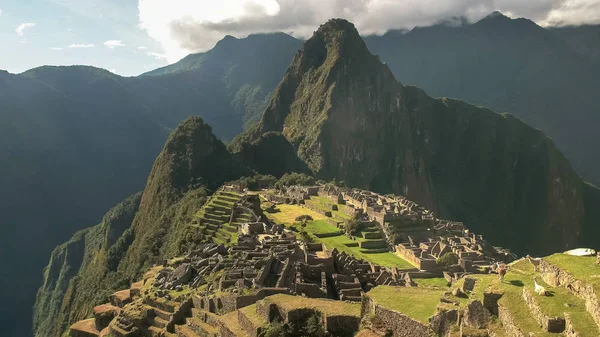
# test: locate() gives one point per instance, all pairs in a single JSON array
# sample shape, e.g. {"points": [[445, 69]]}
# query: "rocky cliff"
{"points": [[348, 118], [137, 233]]}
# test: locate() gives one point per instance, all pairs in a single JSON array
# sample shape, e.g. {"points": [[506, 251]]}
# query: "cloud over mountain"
{"points": [[186, 26]]}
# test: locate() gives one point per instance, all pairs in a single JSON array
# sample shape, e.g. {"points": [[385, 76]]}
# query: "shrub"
{"points": [[290, 179], [304, 218], [447, 259]]}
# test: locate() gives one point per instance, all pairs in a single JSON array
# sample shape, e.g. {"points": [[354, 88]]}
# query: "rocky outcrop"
{"points": [[348, 118]]}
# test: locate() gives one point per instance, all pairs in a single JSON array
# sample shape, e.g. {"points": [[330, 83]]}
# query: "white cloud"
{"points": [[0, 12], [56, 48], [158, 56], [114, 71], [142, 48], [186, 26], [114, 43], [81, 45], [20, 30]]}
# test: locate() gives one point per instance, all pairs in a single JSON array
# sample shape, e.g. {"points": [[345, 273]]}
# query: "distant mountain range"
{"points": [[80, 139]]}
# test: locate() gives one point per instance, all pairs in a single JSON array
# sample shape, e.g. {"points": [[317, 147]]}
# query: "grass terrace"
{"points": [[327, 307], [416, 303], [583, 268]]}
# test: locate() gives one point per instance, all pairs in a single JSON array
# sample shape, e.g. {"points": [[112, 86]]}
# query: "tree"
{"points": [[276, 329], [447, 259]]}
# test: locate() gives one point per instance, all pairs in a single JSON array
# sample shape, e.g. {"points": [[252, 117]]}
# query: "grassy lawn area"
{"points": [[386, 259], [318, 227], [288, 213], [416, 303], [436, 282], [327, 307], [583, 268]]}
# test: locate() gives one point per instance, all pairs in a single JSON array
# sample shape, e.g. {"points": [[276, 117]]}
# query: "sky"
{"points": [[130, 37]]}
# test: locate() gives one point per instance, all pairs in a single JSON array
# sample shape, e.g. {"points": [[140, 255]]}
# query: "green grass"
{"points": [[317, 227], [325, 204], [416, 303], [327, 307], [521, 275], [384, 259], [288, 214], [436, 282], [583, 268]]}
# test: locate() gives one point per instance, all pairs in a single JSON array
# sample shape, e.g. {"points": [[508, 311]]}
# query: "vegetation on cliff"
{"points": [[96, 261]]}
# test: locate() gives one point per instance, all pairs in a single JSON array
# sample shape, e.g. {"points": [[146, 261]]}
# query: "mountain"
{"points": [[80, 139], [136, 233], [70, 148], [348, 118], [583, 40], [546, 77]]}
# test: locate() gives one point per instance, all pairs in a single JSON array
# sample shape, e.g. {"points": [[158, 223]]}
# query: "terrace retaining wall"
{"points": [[550, 324], [400, 324], [557, 277]]}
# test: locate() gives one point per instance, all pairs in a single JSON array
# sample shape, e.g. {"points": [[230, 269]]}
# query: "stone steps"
{"points": [[160, 313], [165, 306], [230, 229], [185, 331], [227, 199], [230, 194], [229, 325], [223, 204], [201, 328], [158, 322], [156, 332]]}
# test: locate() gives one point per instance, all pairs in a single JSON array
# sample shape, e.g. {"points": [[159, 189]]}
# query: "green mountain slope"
{"points": [[67, 156], [546, 77], [79, 139], [348, 118], [96, 261]]}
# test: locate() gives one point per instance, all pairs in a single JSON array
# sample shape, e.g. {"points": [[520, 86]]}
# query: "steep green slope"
{"points": [[84, 265], [66, 158], [79, 139], [96, 261], [348, 118]]}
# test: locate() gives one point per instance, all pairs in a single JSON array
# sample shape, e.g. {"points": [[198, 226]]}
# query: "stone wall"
{"points": [[490, 302], [557, 277], [249, 328], [569, 329], [508, 322], [310, 290], [318, 210], [550, 324], [400, 324], [264, 272]]}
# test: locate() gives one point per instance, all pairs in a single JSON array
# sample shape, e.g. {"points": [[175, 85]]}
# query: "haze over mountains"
{"points": [[93, 135]]}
